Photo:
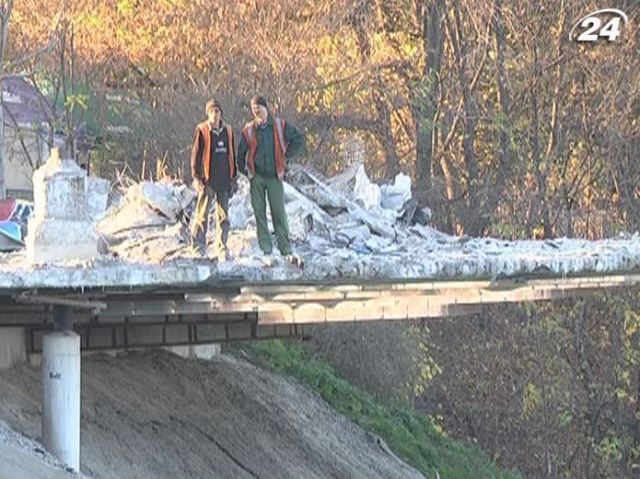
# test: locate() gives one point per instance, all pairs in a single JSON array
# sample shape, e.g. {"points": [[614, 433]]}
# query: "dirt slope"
{"points": [[15, 463], [155, 415]]}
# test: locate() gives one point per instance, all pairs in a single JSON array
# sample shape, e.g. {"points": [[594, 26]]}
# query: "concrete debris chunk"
{"points": [[168, 199], [97, 191], [320, 217], [148, 204], [353, 234], [395, 195], [60, 228], [366, 192], [240, 212], [300, 221]]}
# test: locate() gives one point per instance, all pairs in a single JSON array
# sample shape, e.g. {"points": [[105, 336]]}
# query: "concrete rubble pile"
{"points": [[347, 227], [65, 248], [347, 213], [344, 226], [148, 222]]}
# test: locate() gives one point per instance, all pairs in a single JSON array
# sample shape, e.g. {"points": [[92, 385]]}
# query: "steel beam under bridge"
{"points": [[234, 310]]}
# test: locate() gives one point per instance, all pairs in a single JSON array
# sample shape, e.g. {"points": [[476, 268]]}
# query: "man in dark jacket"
{"points": [[267, 143], [213, 167]]}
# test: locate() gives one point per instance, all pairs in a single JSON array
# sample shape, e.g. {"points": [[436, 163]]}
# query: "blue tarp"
{"points": [[14, 215]]}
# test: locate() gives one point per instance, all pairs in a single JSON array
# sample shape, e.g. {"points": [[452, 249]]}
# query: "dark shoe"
{"points": [[196, 251], [295, 260], [224, 256]]}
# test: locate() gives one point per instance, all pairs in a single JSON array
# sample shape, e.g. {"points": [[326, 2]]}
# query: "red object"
{"points": [[7, 209]]}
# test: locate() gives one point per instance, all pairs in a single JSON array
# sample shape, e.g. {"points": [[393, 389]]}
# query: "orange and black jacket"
{"points": [[213, 155]]}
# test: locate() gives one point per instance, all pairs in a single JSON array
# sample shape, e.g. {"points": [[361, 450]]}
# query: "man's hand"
{"points": [[233, 187], [198, 184]]}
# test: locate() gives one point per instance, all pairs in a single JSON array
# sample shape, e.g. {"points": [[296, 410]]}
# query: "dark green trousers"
{"points": [[273, 190]]}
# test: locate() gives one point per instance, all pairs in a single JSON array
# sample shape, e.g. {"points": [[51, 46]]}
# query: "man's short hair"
{"points": [[259, 100], [211, 104]]}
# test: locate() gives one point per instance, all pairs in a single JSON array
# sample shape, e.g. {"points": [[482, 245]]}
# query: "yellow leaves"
{"points": [[408, 48], [125, 7], [91, 20], [427, 370], [388, 47], [325, 44], [79, 101], [172, 3], [437, 425], [538, 231], [631, 323], [201, 63], [621, 394], [531, 399], [307, 102]]}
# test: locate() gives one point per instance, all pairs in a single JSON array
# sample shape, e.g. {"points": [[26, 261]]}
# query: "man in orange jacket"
{"points": [[213, 168]]}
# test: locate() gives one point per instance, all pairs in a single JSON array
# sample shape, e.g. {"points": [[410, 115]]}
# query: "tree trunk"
{"points": [[539, 168], [383, 130], [5, 16], [425, 99], [505, 153], [475, 220]]}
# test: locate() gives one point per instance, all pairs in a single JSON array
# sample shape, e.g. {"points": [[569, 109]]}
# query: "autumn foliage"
{"points": [[507, 127]]}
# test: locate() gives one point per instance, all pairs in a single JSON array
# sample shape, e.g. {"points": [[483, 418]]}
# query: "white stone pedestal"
{"points": [[60, 228], [61, 396]]}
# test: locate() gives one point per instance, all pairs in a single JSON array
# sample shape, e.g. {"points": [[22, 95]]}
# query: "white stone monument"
{"points": [[61, 228]]}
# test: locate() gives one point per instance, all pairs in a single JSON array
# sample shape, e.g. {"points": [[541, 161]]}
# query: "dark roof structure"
{"points": [[24, 104]]}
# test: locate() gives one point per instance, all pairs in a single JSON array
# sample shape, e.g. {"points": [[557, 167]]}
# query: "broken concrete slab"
{"points": [[300, 221], [166, 198], [104, 272], [97, 192], [366, 192], [240, 212], [395, 195]]}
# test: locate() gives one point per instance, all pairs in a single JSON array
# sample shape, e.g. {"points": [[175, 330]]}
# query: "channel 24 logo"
{"points": [[599, 25]]}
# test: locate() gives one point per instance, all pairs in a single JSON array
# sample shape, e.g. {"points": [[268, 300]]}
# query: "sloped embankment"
{"points": [[157, 415]]}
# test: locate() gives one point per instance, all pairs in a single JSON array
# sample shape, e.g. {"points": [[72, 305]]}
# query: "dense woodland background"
{"points": [[506, 126]]}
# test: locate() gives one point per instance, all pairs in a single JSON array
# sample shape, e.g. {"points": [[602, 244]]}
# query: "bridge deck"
{"points": [[231, 310]]}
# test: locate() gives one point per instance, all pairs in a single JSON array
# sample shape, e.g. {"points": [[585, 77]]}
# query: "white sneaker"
{"points": [[266, 259]]}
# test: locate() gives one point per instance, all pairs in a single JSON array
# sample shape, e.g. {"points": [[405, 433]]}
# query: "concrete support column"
{"points": [[196, 351], [205, 351], [61, 396], [12, 347]]}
